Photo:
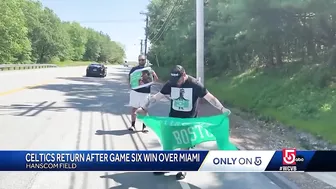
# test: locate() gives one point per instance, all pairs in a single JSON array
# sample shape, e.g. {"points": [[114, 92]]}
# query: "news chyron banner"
{"points": [[209, 161]]}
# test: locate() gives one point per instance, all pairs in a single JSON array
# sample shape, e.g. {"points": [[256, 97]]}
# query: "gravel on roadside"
{"points": [[254, 134], [251, 133]]}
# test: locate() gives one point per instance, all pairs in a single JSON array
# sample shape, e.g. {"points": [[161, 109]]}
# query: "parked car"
{"points": [[96, 70]]}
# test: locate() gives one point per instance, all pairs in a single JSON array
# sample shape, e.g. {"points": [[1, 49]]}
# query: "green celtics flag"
{"points": [[188, 132], [141, 78]]}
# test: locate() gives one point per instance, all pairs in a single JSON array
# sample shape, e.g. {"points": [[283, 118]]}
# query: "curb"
{"points": [[276, 178]]}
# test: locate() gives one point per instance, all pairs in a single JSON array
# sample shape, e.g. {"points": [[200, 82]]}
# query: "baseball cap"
{"points": [[176, 73]]}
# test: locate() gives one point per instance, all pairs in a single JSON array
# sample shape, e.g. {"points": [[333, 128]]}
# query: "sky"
{"points": [[120, 19]]}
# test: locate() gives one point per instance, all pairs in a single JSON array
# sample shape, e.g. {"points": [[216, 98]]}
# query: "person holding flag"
{"points": [[140, 82], [184, 91]]}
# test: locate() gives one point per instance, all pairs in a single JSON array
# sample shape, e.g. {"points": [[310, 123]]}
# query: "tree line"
{"points": [[275, 58], [31, 33], [241, 33]]}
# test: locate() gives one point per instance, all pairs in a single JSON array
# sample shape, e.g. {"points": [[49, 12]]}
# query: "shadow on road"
{"points": [[138, 180], [107, 95], [219, 180], [116, 132], [154, 144], [26, 109], [110, 96], [83, 94]]}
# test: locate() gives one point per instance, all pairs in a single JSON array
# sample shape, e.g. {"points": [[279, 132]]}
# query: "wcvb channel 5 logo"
{"points": [[289, 157]]}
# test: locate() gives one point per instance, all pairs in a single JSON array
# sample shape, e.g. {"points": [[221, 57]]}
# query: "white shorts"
{"points": [[137, 99]]}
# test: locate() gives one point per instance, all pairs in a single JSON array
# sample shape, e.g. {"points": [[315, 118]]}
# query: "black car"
{"points": [[96, 70]]}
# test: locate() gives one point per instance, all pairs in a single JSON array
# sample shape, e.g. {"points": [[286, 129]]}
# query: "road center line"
{"points": [[25, 87]]}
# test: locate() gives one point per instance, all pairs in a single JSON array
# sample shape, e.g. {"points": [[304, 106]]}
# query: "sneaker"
{"points": [[181, 175], [159, 173], [132, 128], [144, 130]]}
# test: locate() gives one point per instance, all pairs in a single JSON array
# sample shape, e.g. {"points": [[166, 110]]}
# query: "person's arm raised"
{"points": [[156, 78], [129, 78]]}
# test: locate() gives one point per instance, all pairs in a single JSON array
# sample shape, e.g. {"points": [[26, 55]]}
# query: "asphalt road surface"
{"points": [[60, 109]]}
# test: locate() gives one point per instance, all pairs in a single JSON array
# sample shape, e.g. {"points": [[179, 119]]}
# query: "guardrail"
{"points": [[4, 67]]}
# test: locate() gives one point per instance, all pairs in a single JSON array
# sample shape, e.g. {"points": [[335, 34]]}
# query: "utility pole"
{"points": [[146, 32], [141, 51], [200, 40]]}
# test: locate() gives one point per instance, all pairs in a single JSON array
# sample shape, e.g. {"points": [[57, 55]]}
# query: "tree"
{"points": [[14, 44], [78, 39], [30, 33], [239, 34]]}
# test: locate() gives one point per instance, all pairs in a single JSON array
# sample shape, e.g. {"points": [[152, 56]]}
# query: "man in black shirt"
{"points": [[184, 92], [138, 96]]}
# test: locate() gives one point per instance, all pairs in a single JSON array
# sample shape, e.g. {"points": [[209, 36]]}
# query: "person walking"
{"points": [[184, 91], [139, 96]]}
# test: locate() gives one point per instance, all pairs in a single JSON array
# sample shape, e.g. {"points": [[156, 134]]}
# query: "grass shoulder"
{"points": [[68, 63], [71, 63]]}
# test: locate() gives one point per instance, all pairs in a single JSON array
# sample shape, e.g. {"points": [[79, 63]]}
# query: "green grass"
{"points": [[163, 73], [71, 63], [303, 97], [295, 95]]}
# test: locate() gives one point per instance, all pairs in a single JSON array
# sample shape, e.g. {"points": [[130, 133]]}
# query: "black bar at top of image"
{"points": [[322, 161]]}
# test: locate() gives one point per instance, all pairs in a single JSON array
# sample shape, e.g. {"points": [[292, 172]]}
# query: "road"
{"points": [[60, 109]]}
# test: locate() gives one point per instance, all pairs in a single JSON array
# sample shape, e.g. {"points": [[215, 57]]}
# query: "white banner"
{"points": [[141, 78], [236, 161]]}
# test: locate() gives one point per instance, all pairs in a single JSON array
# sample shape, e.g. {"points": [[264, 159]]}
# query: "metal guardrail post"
{"points": [[25, 66]]}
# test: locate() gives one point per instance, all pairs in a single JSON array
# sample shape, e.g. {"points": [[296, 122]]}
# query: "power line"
{"points": [[168, 18], [165, 28], [147, 22], [163, 31], [157, 23]]}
